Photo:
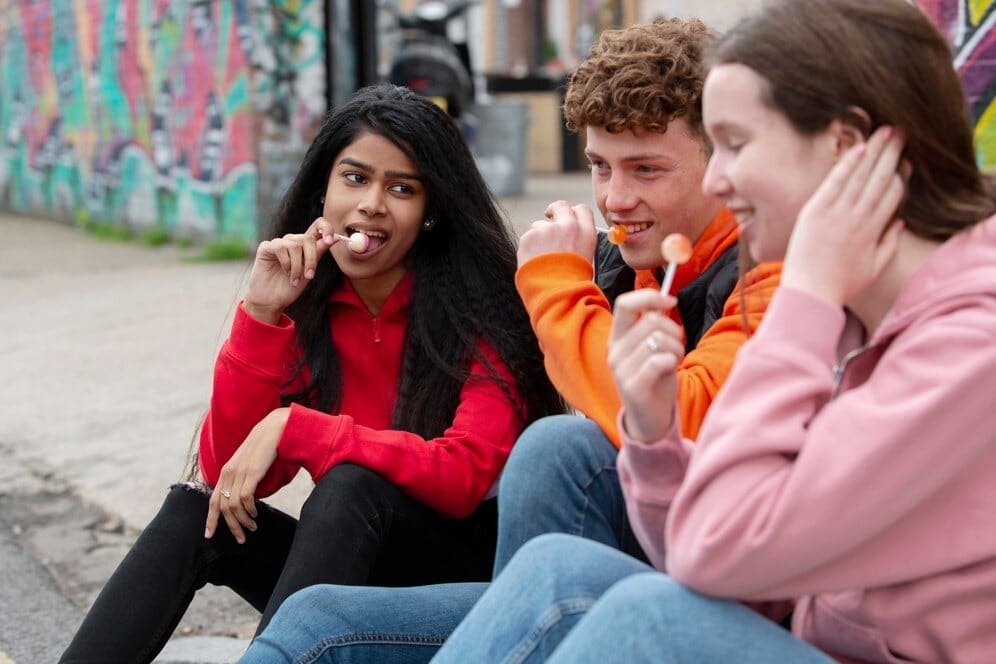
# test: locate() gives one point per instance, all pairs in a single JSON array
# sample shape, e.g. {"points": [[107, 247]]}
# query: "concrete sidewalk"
{"points": [[105, 371]]}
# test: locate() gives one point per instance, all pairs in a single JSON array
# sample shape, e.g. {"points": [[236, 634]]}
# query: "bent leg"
{"points": [[561, 478], [653, 618], [357, 528], [358, 624], [143, 601], [546, 588]]}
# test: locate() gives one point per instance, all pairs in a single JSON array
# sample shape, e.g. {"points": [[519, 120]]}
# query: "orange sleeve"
{"points": [[705, 369], [573, 321]]}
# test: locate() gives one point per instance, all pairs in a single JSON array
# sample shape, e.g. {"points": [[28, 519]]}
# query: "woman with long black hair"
{"points": [[397, 369]]}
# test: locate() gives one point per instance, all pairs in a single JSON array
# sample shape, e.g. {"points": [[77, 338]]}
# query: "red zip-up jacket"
{"points": [[451, 473]]}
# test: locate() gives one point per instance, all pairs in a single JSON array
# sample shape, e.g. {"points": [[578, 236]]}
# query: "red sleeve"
{"points": [[451, 473], [251, 368]]}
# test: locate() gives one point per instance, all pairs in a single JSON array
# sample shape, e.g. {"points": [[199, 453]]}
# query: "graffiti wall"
{"points": [[146, 112], [969, 25]]}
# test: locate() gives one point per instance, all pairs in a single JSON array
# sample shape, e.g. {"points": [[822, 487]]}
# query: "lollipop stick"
{"points": [[672, 267], [337, 236]]}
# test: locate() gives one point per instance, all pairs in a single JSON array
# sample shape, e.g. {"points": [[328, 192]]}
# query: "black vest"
{"points": [[700, 303]]}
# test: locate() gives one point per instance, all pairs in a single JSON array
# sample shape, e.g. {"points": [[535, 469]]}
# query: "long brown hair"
{"points": [[823, 59]]}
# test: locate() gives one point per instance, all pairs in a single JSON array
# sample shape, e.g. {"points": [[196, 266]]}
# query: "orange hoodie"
{"points": [[573, 320]]}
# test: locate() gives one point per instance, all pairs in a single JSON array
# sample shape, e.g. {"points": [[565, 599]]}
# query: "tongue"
{"points": [[375, 243]]}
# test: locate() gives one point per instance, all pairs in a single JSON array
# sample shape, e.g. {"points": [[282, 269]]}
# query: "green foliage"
{"points": [[154, 236], [224, 249], [113, 232]]}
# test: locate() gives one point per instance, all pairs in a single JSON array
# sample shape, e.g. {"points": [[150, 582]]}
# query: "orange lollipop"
{"points": [[676, 249], [617, 234]]}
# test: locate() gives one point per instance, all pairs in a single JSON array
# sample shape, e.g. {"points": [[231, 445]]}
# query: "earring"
{"points": [[429, 224]]}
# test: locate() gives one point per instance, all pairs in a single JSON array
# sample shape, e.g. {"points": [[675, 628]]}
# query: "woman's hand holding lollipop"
{"points": [[645, 349], [284, 266]]}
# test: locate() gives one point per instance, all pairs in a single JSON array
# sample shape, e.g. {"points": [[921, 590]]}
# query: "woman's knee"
{"points": [[558, 554], [657, 599], [180, 520], [185, 505], [349, 489], [556, 445]]}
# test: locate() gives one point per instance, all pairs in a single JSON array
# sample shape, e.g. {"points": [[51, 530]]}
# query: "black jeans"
{"points": [[356, 528]]}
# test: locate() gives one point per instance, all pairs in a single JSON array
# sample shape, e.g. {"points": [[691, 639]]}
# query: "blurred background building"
{"points": [[193, 115]]}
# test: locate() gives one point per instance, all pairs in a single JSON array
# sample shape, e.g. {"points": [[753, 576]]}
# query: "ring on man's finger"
{"points": [[226, 494], [652, 344]]}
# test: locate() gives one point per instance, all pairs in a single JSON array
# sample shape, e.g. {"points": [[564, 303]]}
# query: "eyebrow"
{"points": [[370, 169], [647, 156], [723, 125]]}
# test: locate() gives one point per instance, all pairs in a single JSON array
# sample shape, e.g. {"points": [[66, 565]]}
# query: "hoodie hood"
{"points": [[961, 269]]}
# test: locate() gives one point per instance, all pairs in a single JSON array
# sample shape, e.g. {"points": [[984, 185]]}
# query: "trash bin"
{"points": [[499, 144]]}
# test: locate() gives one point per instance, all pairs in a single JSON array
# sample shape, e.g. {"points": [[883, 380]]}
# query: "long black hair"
{"points": [[464, 270]]}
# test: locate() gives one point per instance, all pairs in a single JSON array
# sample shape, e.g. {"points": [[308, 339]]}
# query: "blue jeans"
{"points": [[561, 478], [567, 600], [362, 624]]}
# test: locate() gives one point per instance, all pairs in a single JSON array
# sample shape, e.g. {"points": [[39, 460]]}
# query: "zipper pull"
{"points": [[376, 329]]}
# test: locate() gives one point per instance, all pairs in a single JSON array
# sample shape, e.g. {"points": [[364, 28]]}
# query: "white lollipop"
{"points": [[357, 242]]}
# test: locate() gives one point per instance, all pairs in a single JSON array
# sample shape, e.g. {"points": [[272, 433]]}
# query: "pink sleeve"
{"points": [[650, 474], [451, 473], [789, 494]]}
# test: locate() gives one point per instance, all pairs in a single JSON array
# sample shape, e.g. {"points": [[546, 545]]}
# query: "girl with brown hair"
{"points": [[847, 470]]}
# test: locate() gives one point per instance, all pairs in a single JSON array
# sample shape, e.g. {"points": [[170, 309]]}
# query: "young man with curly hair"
{"points": [[638, 100]]}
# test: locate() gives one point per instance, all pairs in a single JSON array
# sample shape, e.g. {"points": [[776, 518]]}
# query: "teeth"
{"points": [[636, 228], [375, 234]]}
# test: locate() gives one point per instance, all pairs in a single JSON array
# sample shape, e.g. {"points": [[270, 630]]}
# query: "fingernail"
{"points": [[310, 274], [207, 533], [295, 282], [240, 539], [889, 130], [861, 148]]}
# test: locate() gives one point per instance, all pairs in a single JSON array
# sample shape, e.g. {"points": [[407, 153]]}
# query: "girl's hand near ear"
{"points": [[282, 269], [645, 349], [847, 232]]}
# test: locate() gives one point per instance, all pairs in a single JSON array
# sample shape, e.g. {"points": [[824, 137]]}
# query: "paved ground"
{"points": [[105, 370]]}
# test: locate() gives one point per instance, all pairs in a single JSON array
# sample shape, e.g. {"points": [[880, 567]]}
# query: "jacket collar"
{"points": [[963, 267], [718, 236], [395, 305]]}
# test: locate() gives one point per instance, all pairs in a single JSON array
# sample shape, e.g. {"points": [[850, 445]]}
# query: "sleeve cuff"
{"points": [[259, 344], [656, 467], [308, 439], [534, 275]]}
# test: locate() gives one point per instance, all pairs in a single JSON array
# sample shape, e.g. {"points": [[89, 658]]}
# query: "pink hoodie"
{"points": [[870, 503]]}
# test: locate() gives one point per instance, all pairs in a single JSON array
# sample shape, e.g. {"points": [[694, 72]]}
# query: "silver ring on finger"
{"points": [[652, 344], [226, 494]]}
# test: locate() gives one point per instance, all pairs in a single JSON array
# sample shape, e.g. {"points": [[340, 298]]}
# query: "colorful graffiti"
{"points": [[144, 112], [970, 26]]}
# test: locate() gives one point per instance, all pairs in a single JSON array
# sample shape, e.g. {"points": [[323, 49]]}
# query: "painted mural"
{"points": [[145, 112], [970, 26]]}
